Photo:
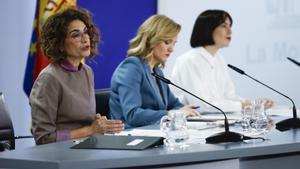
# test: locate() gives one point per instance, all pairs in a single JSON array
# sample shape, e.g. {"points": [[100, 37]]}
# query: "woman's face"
{"points": [[77, 41], [222, 34], [163, 50]]}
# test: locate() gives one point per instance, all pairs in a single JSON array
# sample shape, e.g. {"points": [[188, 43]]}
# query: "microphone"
{"points": [[294, 61], [222, 137], [282, 125]]}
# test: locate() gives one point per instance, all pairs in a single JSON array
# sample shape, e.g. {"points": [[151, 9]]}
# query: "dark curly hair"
{"points": [[54, 32]]}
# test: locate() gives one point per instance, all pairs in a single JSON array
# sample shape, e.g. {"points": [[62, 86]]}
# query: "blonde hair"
{"points": [[154, 30]]}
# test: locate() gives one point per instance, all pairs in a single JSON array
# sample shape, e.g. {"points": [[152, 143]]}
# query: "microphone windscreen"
{"points": [[294, 61], [236, 69]]}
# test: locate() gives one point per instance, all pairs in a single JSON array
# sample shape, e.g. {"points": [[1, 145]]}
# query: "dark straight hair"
{"points": [[204, 26]]}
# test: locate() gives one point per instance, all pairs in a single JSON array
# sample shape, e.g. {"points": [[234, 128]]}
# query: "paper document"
{"points": [[142, 132], [214, 117], [280, 110]]}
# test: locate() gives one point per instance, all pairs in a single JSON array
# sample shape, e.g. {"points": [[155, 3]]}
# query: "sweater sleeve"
{"points": [[44, 100]]}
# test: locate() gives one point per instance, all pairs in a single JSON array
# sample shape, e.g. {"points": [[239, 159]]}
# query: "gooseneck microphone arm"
{"points": [[222, 137], [284, 125], [226, 125], [243, 73], [294, 107]]}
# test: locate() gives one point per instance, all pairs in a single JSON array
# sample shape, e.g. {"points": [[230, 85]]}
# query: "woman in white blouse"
{"points": [[202, 70]]}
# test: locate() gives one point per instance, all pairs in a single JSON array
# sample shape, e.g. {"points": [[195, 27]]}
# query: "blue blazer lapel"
{"points": [[164, 86], [153, 84]]}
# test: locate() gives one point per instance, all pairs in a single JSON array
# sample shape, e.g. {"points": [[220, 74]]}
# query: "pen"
{"points": [[195, 107]]}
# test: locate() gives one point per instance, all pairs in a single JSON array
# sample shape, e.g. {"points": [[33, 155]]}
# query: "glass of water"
{"points": [[259, 119], [247, 113], [175, 127]]}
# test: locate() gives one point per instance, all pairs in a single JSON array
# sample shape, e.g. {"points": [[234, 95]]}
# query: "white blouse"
{"points": [[207, 77]]}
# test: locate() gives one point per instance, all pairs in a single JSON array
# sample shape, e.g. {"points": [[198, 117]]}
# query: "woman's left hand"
{"points": [[268, 103], [190, 110]]}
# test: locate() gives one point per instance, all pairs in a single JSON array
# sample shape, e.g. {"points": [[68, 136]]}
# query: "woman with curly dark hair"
{"points": [[62, 98]]}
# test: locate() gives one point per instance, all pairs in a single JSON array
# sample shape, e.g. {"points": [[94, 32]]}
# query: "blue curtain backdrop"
{"points": [[118, 21]]}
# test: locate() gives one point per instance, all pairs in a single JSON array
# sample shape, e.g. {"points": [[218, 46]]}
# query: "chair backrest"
{"points": [[7, 135], [102, 99]]}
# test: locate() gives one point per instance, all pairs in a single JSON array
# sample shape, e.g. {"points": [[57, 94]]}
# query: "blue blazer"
{"points": [[135, 98]]}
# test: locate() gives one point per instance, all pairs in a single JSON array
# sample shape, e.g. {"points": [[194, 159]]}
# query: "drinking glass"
{"points": [[175, 127], [247, 113], [259, 119]]}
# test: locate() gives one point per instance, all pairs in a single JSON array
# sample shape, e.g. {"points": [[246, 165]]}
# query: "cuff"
{"points": [[62, 135]]}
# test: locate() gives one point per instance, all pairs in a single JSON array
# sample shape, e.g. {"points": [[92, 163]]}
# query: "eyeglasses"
{"points": [[78, 36]]}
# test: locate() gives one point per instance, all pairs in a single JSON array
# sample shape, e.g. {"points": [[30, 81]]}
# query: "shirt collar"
{"points": [[210, 58], [69, 67]]}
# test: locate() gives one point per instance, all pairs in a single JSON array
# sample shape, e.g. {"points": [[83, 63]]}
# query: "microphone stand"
{"points": [[284, 124], [222, 137]]}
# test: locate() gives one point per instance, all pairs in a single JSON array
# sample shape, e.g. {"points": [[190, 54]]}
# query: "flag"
{"points": [[36, 61]]}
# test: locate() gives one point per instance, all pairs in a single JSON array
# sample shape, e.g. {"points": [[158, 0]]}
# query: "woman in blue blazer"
{"points": [[137, 97]]}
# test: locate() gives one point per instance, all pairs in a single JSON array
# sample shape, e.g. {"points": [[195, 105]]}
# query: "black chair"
{"points": [[6, 127], [7, 135], [102, 99]]}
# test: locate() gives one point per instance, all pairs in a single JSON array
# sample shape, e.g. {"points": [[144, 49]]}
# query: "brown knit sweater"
{"points": [[61, 100]]}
